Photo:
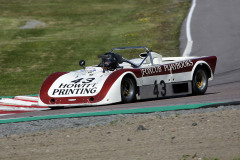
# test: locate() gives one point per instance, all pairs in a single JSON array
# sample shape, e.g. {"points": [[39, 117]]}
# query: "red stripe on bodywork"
{"points": [[211, 61], [43, 95], [45, 98]]}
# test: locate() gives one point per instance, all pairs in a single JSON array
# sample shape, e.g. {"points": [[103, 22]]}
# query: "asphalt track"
{"points": [[215, 30]]}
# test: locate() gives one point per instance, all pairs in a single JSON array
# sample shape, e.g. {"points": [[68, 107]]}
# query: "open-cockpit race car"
{"points": [[117, 79]]}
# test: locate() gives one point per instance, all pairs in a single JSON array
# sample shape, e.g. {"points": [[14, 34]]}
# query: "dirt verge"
{"points": [[194, 136]]}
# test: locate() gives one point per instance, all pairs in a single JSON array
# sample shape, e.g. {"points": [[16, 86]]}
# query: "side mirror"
{"points": [[82, 63]]}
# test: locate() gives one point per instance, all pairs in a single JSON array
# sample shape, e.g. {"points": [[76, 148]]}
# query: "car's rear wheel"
{"points": [[128, 90], [200, 81]]}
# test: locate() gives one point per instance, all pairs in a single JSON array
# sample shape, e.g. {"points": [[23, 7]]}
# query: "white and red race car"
{"points": [[117, 79]]}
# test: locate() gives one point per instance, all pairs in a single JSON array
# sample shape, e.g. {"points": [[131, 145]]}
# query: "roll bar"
{"points": [[139, 47]]}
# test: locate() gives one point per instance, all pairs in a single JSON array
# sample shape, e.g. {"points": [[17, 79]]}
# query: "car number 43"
{"points": [[163, 88]]}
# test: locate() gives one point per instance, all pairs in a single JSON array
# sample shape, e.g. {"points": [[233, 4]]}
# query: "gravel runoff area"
{"points": [[206, 133]]}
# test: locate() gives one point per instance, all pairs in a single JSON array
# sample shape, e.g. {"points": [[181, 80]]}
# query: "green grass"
{"points": [[79, 29]]}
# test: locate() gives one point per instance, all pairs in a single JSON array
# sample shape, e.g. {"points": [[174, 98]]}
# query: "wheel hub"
{"points": [[200, 79], [126, 89]]}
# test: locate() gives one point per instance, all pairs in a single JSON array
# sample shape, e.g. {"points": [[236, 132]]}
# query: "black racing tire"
{"points": [[128, 90], [199, 82]]}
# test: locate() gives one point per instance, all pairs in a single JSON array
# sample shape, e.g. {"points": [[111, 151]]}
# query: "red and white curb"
{"points": [[20, 104]]}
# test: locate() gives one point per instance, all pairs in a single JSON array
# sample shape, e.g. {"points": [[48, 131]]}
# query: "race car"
{"points": [[117, 79]]}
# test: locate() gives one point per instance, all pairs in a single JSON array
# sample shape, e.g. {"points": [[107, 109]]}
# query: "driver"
{"points": [[110, 61]]}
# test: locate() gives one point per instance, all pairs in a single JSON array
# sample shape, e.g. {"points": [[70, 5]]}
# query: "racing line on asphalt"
{"points": [[188, 47]]}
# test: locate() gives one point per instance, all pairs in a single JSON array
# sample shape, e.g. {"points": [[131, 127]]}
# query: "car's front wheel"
{"points": [[199, 82], [128, 90]]}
